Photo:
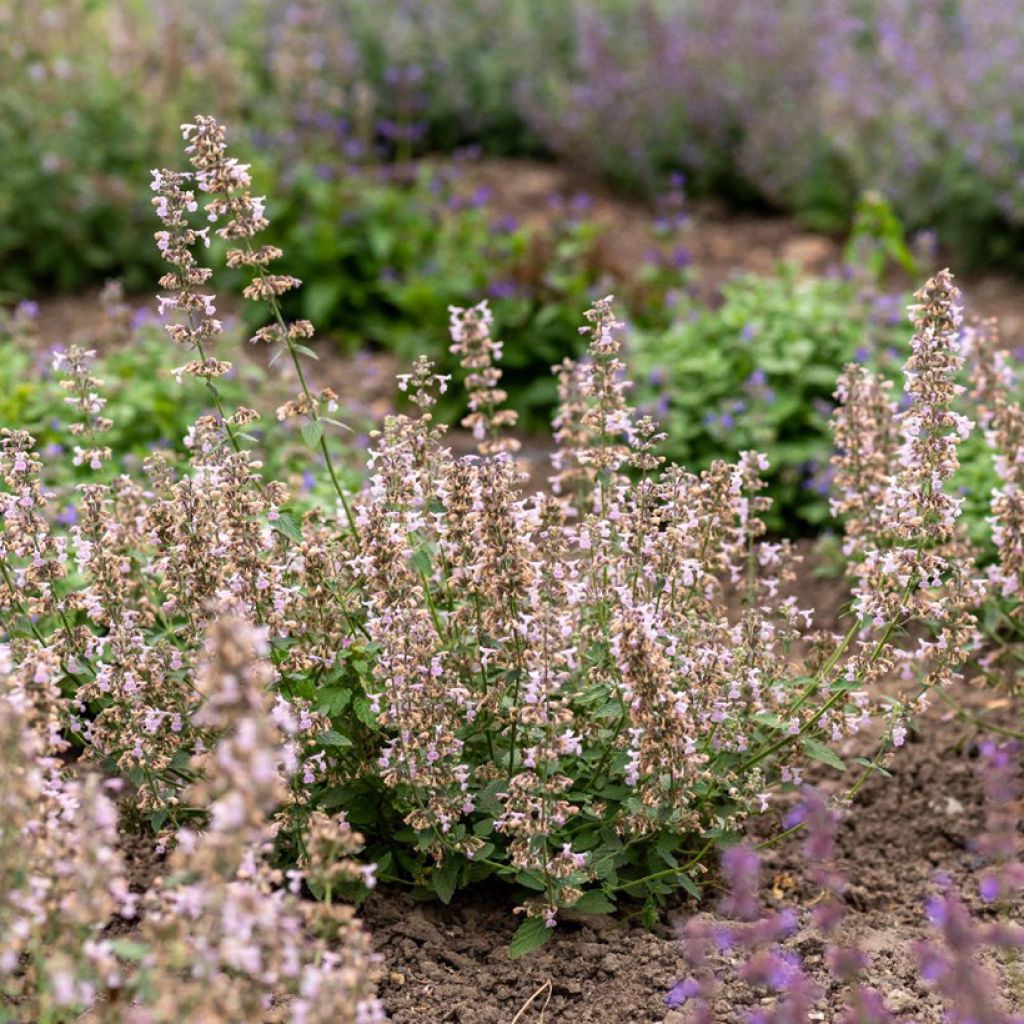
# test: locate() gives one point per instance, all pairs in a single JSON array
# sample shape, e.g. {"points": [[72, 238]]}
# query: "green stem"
{"points": [[977, 720]]}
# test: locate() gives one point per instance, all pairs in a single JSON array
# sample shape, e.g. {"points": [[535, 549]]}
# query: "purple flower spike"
{"points": [[682, 991]]}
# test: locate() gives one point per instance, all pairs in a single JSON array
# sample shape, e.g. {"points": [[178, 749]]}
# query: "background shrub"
{"points": [[801, 106]]}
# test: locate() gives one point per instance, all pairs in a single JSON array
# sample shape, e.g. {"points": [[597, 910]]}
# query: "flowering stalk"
{"points": [[910, 562], [87, 402], [229, 184], [258, 940], [173, 202], [472, 342]]}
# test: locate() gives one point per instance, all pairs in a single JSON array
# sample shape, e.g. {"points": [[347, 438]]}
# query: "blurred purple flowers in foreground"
{"points": [[746, 942]]}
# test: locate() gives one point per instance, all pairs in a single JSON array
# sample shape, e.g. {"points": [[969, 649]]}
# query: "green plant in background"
{"points": [[386, 257], [758, 372], [149, 408], [877, 239], [628, 91]]}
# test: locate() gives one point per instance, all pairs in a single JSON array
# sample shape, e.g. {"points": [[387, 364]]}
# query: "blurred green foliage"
{"points": [[149, 409], [91, 92], [385, 258], [759, 372]]}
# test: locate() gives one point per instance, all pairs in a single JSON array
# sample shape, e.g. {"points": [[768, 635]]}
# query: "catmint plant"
{"points": [[581, 691]]}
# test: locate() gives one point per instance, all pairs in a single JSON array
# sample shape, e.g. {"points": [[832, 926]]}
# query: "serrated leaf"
{"points": [[333, 738], [530, 935], [287, 527], [771, 720], [312, 432], [336, 796], [689, 885], [817, 751], [594, 902], [445, 879], [332, 701], [531, 880], [667, 842], [363, 711]]}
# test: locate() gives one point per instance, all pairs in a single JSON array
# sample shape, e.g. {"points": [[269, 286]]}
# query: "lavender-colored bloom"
{"points": [[502, 289], [505, 225], [682, 991], [481, 197]]}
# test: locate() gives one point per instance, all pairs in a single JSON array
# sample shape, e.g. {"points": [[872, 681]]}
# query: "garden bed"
{"points": [[452, 963]]}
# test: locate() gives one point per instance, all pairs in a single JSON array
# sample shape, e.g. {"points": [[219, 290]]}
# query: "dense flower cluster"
{"points": [[478, 353], [198, 326], [87, 403], [1002, 419], [892, 468], [62, 877], [227, 934], [243, 216], [572, 690], [222, 936]]}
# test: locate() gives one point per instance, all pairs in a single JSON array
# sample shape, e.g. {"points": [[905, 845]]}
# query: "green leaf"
{"points": [[336, 423], [287, 527], [332, 700], [312, 432], [865, 763], [594, 902], [530, 935], [532, 880], [421, 561], [667, 842], [817, 751], [363, 711], [333, 738], [128, 949], [445, 879], [689, 885]]}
